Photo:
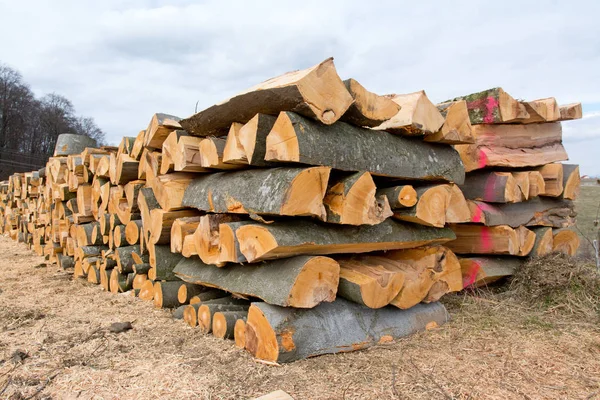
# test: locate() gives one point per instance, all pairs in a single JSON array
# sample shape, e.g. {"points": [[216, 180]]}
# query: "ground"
{"points": [[54, 343]]}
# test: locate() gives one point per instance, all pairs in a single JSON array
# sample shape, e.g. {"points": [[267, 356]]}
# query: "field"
{"points": [[54, 343]]}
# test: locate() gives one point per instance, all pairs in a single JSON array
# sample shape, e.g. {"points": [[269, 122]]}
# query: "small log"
{"points": [[84, 235], [119, 283], [571, 181], [169, 189], [125, 260], [233, 150], [501, 239], [253, 138], [493, 106], [159, 128], [540, 211], [513, 146], [65, 262], [138, 145], [119, 236], [290, 238], [570, 111], [368, 109], [147, 291], [280, 191], [399, 196], [417, 116], [430, 210], [542, 110], [132, 231], [316, 92], [352, 200], [190, 314], [300, 140], [543, 241], [181, 228], [239, 333], [228, 244], [224, 322], [178, 313], [161, 222], [278, 334], [565, 241], [493, 186], [212, 154], [165, 294], [188, 290], [482, 271], [457, 125], [141, 268], [138, 280], [553, 179], [206, 312], [458, 210], [163, 262], [68, 143], [536, 184], [126, 170], [301, 282]]}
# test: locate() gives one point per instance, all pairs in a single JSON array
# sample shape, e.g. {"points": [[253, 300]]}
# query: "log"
{"points": [[139, 280], [350, 148], [369, 280], [570, 111], [352, 200], [301, 282], [553, 179], [571, 181], [457, 125], [542, 110], [182, 227], [501, 239], [417, 116], [540, 211], [119, 236], [223, 323], [125, 260], [132, 231], [493, 186], [147, 291], [161, 222], [190, 314], [126, 171], [253, 138], [178, 313], [206, 311], [286, 239], [279, 191], [138, 145], [163, 262], [141, 268], [493, 106], [212, 154], [513, 146], [119, 283], [316, 92], [69, 143], [239, 333], [229, 245], [536, 184], [207, 236], [565, 241], [159, 128], [169, 189], [458, 210], [188, 290], [165, 294], [368, 108], [543, 241], [84, 235], [65, 262], [278, 334], [401, 196], [430, 210], [482, 271], [233, 149]]}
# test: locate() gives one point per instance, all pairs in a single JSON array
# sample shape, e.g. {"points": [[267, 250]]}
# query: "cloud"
{"points": [[122, 61]]}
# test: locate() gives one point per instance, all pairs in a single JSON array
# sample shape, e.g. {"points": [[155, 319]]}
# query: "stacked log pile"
{"points": [[307, 215]]}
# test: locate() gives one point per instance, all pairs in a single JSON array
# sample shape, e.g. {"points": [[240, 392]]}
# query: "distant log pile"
{"points": [[251, 219]]}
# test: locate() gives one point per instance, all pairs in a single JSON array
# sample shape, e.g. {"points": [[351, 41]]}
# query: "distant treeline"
{"points": [[29, 126]]}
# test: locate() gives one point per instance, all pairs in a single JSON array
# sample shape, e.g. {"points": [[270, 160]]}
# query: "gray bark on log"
{"points": [[69, 143], [288, 334], [540, 211]]}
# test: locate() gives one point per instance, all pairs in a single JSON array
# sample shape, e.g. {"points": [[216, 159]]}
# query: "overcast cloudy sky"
{"points": [[122, 61]]}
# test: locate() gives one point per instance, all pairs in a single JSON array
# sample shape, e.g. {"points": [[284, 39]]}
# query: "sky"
{"points": [[122, 61]]}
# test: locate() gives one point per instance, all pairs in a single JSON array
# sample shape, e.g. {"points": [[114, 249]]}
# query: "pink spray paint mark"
{"points": [[486, 239], [471, 275], [482, 159], [477, 215], [490, 105]]}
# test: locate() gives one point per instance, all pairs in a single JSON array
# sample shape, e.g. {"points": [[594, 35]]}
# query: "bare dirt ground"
{"points": [[54, 344]]}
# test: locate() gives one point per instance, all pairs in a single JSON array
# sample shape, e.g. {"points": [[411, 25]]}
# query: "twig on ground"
{"points": [[428, 376]]}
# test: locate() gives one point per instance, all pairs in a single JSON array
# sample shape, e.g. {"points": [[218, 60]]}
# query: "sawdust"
{"points": [[494, 348]]}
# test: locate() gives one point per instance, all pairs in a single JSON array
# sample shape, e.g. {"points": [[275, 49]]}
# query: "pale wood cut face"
{"points": [[282, 142], [306, 192], [261, 340], [316, 283]]}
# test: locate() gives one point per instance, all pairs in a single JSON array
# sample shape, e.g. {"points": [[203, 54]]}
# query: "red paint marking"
{"points": [[482, 159], [479, 103], [477, 215], [471, 276], [486, 239], [490, 106]]}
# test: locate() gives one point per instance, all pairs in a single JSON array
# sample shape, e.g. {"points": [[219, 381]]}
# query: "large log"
{"points": [[163, 262], [543, 241], [493, 106], [492, 187], [417, 116], [229, 245], [368, 109], [286, 239], [207, 236], [553, 179], [570, 111], [481, 271], [280, 334], [276, 191], [565, 241], [571, 181], [542, 110], [169, 189], [316, 92], [69, 143], [352, 200], [513, 146], [213, 155], [540, 211], [350, 148], [301, 282], [161, 222], [161, 125]]}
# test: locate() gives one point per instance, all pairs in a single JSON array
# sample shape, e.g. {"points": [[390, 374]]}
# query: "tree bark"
{"points": [[223, 323], [493, 106], [540, 211], [301, 282], [481, 271], [69, 143], [350, 148]]}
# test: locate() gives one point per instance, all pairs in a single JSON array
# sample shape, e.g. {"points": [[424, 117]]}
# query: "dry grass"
{"points": [[496, 347]]}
